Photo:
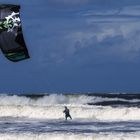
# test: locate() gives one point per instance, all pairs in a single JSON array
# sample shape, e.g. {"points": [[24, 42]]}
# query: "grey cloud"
{"points": [[123, 11], [126, 14], [112, 19], [101, 46]]}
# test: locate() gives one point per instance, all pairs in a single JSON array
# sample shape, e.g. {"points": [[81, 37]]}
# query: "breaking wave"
{"points": [[129, 100], [52, 106]]}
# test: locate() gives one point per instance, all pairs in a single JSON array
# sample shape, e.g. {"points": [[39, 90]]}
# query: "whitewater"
{"points": [[111, 116]]}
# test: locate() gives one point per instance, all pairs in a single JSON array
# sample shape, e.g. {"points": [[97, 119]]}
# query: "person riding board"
{"points": [[67, 113]]}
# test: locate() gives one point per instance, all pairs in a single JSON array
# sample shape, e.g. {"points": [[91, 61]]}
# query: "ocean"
{"points": [[111, 116]]}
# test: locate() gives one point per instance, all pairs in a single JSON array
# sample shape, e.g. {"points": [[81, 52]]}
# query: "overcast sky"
{"points": [[76, 46]]}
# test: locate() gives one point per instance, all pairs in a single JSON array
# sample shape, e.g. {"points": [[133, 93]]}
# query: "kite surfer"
{"points": [[67, 113]]}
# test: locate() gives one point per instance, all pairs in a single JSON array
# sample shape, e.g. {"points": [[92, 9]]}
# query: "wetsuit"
{"points": [[67, 113]]}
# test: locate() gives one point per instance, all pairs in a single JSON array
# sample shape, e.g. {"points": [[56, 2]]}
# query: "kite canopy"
{"points": [[11, 37]]}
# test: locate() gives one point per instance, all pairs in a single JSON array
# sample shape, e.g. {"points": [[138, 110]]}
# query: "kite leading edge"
{"points": [[11, 37]]}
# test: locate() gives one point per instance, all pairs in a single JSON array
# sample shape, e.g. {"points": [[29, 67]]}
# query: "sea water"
{"points": [[95, 117]]}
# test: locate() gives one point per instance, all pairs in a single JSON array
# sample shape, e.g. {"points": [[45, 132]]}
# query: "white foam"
{"points": [[69, 137], [77, 112], [52, 106]]}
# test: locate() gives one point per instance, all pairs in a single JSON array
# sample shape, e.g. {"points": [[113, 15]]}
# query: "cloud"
{"points": [[126, 10], [112, 19], [108, 43], [131, 10], [123, 14]]}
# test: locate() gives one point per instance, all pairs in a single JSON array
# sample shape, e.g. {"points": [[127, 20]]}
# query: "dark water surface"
{"points": [[24, 125]]}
